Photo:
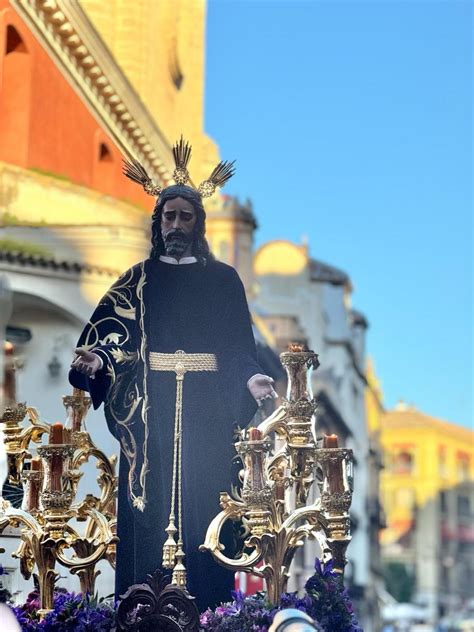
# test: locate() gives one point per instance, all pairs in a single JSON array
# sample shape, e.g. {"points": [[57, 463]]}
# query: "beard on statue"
{"points": [[177, 243]]}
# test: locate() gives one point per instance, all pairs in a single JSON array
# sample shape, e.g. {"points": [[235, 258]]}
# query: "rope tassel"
{"points": [[180, 363], [170, 546], [179, 571], [173, 554]]}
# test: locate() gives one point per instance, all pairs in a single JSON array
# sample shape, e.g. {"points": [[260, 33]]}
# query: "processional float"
{"points": [[282, 462]]}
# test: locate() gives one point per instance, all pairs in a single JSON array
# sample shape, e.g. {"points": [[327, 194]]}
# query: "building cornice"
{"points": [[81, 55], [411, 419], [21, 261], [30, 197]]}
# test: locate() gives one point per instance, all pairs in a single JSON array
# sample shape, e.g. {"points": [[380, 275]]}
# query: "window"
{"points": [[463, 466], [104, 173], [14, 43], [464, 506], [105, 155], [442, 467], [174, 65], [15, 97], [402, 462], [443, 501]]}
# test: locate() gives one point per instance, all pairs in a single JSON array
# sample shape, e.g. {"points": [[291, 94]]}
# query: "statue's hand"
{"points": [[86, 362], [261, 388]]}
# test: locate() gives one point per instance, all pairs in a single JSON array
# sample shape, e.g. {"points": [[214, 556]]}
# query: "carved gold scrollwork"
{"points": [[46, 535], [278, 523], [17, 439]]}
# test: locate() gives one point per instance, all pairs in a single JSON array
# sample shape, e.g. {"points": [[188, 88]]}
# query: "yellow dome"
{"points": [[280, 257]]}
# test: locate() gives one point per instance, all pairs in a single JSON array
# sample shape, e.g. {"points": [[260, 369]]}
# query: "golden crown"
{"points": [[182, 154]]}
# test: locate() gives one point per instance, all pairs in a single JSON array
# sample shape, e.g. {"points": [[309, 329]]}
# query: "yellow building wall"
{"points": [[427, 439], [373, 399], [155, 42], [152, 41]]}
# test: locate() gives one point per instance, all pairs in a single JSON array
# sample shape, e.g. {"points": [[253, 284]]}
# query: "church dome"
{"points": [[280, 257]]}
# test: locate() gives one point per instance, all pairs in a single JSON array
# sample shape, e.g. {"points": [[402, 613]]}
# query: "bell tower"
{"points": [[229, 231]]}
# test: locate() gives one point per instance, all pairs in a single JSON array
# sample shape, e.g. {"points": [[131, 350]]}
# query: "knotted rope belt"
{"points": [[179, 362]]}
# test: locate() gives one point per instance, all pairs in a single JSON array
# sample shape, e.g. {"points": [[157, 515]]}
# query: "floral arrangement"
{"points": [[325, 601], [71, 613]]}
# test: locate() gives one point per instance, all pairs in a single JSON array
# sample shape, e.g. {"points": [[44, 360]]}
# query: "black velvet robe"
{"points": [[156, 306]]}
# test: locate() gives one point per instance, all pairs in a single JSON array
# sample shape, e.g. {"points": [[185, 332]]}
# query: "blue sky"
{"points": [[351, 125]]}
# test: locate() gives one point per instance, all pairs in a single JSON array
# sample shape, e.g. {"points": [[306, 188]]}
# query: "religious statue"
{"points": [[170, 352]]}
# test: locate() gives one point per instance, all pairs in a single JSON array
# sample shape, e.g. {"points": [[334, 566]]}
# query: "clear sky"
{"points": [[351, 124]]}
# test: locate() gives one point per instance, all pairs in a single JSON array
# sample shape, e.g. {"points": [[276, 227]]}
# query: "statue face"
{"points": [[177, 225]]}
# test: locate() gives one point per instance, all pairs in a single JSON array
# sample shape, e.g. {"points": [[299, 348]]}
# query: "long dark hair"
{"points": [[200, 247]]}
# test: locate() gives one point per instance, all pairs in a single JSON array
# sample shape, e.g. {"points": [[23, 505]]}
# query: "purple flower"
{"points": [[324, 570], [326, 601], [71, 613], [238, 596]]}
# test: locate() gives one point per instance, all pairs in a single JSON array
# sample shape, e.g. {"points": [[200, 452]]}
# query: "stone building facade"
{"points": [[427, 487], [303, 299]]}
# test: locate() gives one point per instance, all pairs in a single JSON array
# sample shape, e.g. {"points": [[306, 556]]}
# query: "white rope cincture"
{"points": [[179, 362]]}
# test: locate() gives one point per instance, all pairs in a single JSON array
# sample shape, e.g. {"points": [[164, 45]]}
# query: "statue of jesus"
{"points": [[170, 352]]}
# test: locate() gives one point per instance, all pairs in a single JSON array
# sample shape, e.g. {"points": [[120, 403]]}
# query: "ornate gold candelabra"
{"points": [[18, 439], [276, 485], [50, 503]]}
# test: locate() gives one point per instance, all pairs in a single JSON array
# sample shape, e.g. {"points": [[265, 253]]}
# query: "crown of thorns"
{"points": [[182, 154]]}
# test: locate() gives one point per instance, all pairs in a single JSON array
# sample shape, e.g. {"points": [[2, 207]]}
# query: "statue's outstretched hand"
{"points": [[86, 362], [261, 388]]}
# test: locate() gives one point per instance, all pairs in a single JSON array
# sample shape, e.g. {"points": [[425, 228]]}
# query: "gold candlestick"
{"points": [[256, 490], [17, 438], [32, 481], [46, 535], [77, 406], [276, 528]]}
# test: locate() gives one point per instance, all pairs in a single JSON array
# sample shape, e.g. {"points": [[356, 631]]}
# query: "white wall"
{"points": [[55, 331], [322, 312]]}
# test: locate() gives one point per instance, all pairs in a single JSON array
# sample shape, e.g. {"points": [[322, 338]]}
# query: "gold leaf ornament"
{"points": [[119, 355], [111, 339]]}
